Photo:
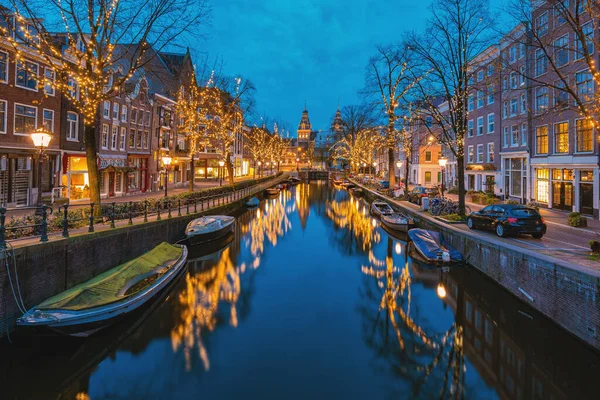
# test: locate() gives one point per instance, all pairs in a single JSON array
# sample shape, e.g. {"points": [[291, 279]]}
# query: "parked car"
{"points": [[415, 195], [384, 184], [508, 219]]}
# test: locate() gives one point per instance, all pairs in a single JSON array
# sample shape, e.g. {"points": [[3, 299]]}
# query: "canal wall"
{"points": [[569, 294], [46, 269]]}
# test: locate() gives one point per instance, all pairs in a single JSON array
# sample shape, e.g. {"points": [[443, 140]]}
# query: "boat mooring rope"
{"points": [[6, 254]]}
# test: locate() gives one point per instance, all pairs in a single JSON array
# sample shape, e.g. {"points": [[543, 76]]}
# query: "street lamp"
{"points": [[221, 163], [41, 139], [259, 171], [441, 290], [442, 161], [166, 162]]}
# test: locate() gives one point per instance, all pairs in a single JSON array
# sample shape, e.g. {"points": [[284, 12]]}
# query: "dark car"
{"points": [[384, 184], [415, 195], [508, 219]]}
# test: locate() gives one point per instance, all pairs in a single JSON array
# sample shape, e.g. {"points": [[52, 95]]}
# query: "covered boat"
{"points": [[273, 191], [380, 208], [253, 202], [398, 222], [209, 227], [337, 181], [90, 306], [430, 247], [295, 180]]}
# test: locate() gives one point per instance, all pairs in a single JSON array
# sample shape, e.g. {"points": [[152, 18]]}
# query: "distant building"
{"points": [[304, 129]]}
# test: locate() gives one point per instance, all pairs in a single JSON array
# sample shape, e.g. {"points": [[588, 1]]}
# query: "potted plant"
{"points": [[577, 220], [595, 246]]}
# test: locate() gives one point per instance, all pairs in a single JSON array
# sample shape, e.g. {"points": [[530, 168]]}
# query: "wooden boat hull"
{"points": [[253, 202], [397, 227], [272, 191], [83, 323], [378, 212], [210, 236]]}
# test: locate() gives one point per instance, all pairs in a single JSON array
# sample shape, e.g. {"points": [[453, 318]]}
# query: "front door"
{"points": [[111, 183], [562, 196], [471, 182], [586, 198]]}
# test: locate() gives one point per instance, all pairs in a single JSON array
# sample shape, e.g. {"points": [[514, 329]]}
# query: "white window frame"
{"points": [[15, 118], [69, 123], [115, 111], [479, 147], [49, 88], [488, 160], [105, 133], [555, 142], [470, 154], [106, 110], [114, 137], [505, 138], [17, 74], [514, 101], [578, 53], [470, 128], [514, 143], [6, 67], [124, 113], [480, 99], [493, 123], [524, 134], [44, 119], [535, 62], [491, 95], [5, 117], [523, 101], [504, 109], [122, 138], [479, 126], [564, 48]]}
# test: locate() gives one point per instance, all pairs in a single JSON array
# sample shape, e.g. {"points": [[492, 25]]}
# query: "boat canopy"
{"points": [[117, 283], [208, 224], [432, 244]]}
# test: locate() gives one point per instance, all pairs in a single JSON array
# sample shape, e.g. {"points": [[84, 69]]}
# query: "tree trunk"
{"points": [[91, 156], [391, 161], [460, 166], [193, 171], [406, 172], [229, 165]]}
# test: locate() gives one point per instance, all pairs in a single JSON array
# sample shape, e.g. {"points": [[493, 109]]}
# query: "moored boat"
{"points": [[295, 180], [337, 181], [101, 301], [272, 191], [253, 202], [430, 247], [356, 191], [208, 227], [398, 222], [380, 208]]}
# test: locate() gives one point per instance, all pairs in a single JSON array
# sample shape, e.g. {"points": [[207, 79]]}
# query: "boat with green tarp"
{"points": [[90, 306]]}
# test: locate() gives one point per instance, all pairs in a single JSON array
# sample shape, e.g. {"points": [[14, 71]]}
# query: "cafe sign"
{"points": [[113, 162]]}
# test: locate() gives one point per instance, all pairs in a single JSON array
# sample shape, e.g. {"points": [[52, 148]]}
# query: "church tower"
{"points": [[337, 126], [304, 128]]}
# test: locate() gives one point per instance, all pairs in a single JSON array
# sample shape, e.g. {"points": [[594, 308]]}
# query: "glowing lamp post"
{"points": [[167, 163], [41, 139], [221, 163], [441, 291], [442, 161]]}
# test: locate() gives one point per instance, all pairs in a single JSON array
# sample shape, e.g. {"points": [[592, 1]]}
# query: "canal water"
{"points": [[311, 298]]}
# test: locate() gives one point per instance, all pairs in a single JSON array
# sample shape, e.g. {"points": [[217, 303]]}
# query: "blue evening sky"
{"points": [[312, 50]]}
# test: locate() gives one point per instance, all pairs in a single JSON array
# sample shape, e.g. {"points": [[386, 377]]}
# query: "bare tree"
{"points": [[357, 118], [551, 52], [87, 53], [457, 31], [389, 77]]}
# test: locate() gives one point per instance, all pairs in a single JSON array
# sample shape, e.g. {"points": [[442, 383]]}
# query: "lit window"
{"points": [[541, 140], [584, 135], [105, 133], [561, 137], [480, 153]]}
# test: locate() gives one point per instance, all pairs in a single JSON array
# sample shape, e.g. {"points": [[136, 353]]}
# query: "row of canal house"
{"points": [[136, 127], [525, 141]]}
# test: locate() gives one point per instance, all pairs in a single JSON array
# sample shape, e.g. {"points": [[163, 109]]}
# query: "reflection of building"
{"points": [[517, 350]]}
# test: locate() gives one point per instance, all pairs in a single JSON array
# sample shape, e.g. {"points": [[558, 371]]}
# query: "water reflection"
{"points": [[337, 305]]}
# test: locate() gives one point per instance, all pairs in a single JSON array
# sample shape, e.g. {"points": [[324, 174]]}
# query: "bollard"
{"points": [[112, 215], [158, 218], [130, 222], [2, 228], [187, 206], [65, 232], [202, 204], [44, 235], [91, 229], [179, 207], [145, 211], [195, 205], [169, 207]]}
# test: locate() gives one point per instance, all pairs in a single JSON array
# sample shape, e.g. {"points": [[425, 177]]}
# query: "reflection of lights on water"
{"points": [[357, 206], [441, 291], [398, 248], [267, 207], [364, 210], [257, 213]]}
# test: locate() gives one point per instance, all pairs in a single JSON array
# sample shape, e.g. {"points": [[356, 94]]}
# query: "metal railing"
{"points": [[81, 218]]}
